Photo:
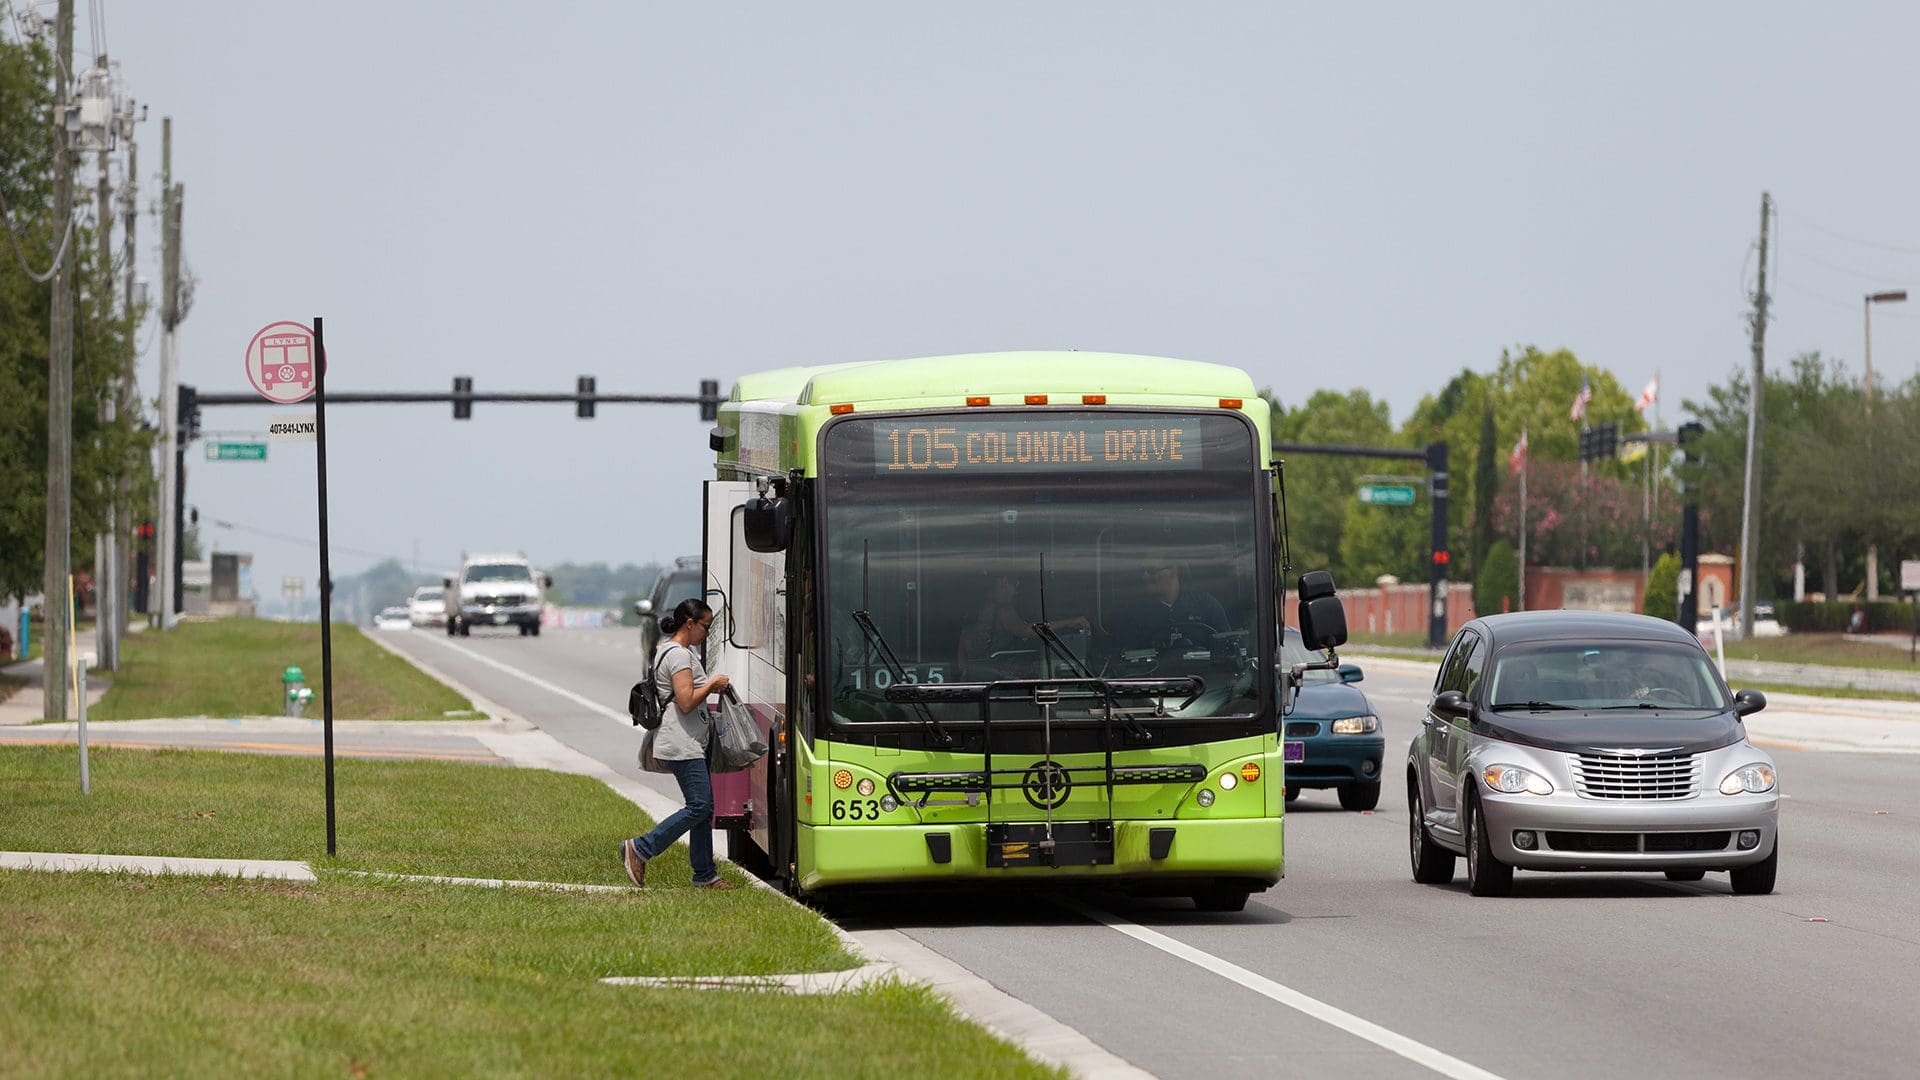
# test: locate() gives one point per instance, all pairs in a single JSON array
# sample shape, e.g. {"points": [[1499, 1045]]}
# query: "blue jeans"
{"points": [[694, 819]]}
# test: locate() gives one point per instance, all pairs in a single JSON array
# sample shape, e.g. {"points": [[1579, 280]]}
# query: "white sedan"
{"points": [[393, 618]]}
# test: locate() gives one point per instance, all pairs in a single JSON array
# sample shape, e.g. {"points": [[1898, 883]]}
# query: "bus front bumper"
{"points": [[1249, 850]]}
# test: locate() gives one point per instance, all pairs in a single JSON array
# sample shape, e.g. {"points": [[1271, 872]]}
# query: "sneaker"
{"points": [[635, 863], [718, 883]]}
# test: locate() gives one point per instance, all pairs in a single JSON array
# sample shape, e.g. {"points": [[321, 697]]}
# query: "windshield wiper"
{"points": [[1531, 706], [864, 620], [1656, 705], [1060, 650]]}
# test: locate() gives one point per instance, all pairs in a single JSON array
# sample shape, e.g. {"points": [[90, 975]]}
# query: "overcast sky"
{"points": [[1333, 195]]}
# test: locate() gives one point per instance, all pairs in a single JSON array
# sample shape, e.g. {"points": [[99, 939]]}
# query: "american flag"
{"points": [[1579, 410], [1519, 457], [1648, 396]]}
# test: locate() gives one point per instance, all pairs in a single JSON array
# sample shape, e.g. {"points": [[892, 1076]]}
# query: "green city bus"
{"points": [[1007, 618]]}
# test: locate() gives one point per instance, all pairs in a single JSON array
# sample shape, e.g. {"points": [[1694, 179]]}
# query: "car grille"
{"points": [[1635, 842], [500, 601], [1302, 729], [1613, 776]]}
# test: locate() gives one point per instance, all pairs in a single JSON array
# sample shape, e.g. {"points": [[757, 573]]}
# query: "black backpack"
{"points": [[643, 701]]}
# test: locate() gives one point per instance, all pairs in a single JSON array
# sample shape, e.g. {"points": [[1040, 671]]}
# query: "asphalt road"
{"points": [[1349, 966]]}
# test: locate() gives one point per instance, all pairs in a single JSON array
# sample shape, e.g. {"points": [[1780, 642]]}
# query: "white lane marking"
{"points": [[586, 703], [1416, 1052]]}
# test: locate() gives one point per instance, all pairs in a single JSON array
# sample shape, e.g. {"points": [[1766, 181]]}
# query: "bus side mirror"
{"points": [[1323, 620], [643, 608], [768, 523]]}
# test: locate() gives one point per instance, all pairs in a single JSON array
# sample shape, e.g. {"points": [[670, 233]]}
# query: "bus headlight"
{"points": [[1356, 725], [1205, 798]]}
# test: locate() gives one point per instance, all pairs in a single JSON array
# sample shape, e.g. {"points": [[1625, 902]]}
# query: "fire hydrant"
{"points": [[298, 695]]}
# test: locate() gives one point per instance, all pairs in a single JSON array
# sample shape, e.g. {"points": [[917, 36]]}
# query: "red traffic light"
{"points": [[1441, 558], [144, 531]]}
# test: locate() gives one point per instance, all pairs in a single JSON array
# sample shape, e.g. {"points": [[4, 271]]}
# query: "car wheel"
{"points": [[1293, 792], [1685, 875], [1486, 875], [1221, 898], [1757, 880], [1360, 796], [1432, 864]]}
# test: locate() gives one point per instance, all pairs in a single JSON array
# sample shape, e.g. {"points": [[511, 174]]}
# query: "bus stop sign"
{"points": [[280, 362]]}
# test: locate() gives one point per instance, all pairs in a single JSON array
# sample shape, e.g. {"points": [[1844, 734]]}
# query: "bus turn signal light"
{"points": [[1250, 771], [843, 779]]}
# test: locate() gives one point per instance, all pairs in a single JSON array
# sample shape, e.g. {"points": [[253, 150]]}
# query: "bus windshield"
{"points": [[1136, 537]]}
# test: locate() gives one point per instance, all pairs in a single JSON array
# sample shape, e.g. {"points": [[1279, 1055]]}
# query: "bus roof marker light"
{"points": [[978, 401], [1093, 399], [1036, 399], [840, 410], [1230, 402]]}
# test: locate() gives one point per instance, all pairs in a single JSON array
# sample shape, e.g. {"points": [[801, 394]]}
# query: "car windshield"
{"points": [[679, 587], [499, 572], [1294, 651], [954, 536], [1591, 675], [429, 595]]}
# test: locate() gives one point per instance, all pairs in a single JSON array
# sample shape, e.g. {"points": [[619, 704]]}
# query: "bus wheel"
{"points": [[1221, 898], [1293, 792]]}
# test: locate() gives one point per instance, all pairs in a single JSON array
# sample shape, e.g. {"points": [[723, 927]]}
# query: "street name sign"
{"points": [[236, 451], [1387, 494]]}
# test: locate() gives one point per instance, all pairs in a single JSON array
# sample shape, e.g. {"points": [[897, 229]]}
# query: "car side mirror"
{"points": [[1351, 673], [546, 580], [1323, 620], [1748, 702], [643, 608], [1453, 703], [768, 523]]}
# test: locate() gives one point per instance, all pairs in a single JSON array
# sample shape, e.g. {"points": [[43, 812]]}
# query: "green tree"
{"points": [[1321, 488], [1496, 587], [1662, 599], [103, 345], [1485, 485]]}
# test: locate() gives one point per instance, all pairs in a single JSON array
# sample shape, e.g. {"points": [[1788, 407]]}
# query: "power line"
{"points": [[1895, 248], [307, 541], [14, 241]]}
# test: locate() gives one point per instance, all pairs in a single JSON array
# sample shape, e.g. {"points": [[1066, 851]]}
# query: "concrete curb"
{"points": [[270, 869]]}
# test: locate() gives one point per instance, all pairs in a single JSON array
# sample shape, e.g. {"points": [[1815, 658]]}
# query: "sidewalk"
{"points": [[28, 702]]}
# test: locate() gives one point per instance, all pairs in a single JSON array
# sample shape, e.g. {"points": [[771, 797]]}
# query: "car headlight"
{"points": [[1514, 780], [1356, 725], [1754, 778]]}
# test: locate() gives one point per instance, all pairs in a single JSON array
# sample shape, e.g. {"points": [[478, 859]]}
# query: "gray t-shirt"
{"points": [[682, 736]]}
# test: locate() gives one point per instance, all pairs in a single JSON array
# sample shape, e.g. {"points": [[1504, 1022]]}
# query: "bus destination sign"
{"points": [[1042, 444]]}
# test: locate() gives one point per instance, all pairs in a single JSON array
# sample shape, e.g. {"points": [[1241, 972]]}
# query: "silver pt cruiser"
{"points": [[1579, 740]]}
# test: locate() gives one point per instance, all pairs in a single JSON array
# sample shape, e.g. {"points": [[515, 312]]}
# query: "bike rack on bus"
{"points": [[1047, 694]]}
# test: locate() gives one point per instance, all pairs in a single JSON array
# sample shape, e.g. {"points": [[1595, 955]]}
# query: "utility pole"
{"points": [[123, 575], [1749, 547], [105, 563], [169, 376], [59, 568]]}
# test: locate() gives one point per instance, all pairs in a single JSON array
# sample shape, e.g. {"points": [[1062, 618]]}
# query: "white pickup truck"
{"points": [[496, 590]]}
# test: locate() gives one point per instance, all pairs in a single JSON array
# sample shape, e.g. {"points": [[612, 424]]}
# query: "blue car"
{"points": [[1332, 736]]}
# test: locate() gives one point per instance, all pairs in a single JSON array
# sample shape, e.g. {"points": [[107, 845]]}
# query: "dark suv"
{"points": [[681, 581]]}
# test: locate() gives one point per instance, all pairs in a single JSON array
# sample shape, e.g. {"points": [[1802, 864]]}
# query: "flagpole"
{"points": [[1526, 462]]}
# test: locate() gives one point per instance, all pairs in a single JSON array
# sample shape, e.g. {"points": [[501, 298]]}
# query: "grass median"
{"points": [[123, 973], [232, 667], [1831, 650]]}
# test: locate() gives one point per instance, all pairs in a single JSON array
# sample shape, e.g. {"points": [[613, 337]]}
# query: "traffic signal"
{"points": [[1606, 441], [189, 414], [144, 530], [462, 397], [709, 399], [1586, 444], [584, 407]]}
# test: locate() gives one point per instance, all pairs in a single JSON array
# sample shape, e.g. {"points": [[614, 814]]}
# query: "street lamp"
{"points": [[1892, 296]]}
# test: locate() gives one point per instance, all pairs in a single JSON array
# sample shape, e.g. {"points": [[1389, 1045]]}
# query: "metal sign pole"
{"points": [[326, 574]]}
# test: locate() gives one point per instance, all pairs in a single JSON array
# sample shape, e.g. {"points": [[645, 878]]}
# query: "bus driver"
{"points": [[1168, 613]]}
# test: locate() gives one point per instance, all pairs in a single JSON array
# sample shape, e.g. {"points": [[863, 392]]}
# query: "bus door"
{"points": [[747, 593]]}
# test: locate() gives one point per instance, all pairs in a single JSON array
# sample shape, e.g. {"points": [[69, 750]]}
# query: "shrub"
{"points": [[1662, 600], [1830, 616], [1497, 588]]}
